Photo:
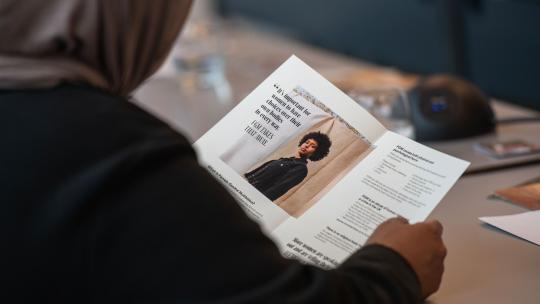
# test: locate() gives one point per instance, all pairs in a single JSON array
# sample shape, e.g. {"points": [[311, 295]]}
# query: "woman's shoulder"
{"points": [[89, 112], [72, 124]]}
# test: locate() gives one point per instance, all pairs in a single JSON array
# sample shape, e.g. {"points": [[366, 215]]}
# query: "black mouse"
{"points": [[447, 107]]}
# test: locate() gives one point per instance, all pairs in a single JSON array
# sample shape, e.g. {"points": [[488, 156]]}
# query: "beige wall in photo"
{"points": [[346, 151]]}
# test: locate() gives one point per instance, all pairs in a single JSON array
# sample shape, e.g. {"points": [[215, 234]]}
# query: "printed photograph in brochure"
{"points": [[308, 162]]}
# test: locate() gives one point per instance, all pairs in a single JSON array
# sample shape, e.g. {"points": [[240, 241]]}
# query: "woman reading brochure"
{"points": [[102, 202]]}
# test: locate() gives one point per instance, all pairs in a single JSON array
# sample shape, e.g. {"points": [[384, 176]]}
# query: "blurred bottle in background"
{"points": [[198, 54], [389, 105]]}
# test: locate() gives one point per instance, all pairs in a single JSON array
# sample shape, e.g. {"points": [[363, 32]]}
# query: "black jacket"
{"points": [[102, 202], [274, 178]]}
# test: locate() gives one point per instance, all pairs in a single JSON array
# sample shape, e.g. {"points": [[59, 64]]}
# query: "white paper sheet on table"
{"points": [[524, 225]]}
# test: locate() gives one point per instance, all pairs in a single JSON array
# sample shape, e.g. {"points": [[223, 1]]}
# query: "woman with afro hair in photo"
{"points": [[274, 178]]}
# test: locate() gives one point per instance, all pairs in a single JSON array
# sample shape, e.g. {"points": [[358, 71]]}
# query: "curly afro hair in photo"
{"points": [[323, 147]]}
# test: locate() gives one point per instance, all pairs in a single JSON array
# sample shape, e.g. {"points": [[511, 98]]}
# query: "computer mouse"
{"points": [[446, 107]]}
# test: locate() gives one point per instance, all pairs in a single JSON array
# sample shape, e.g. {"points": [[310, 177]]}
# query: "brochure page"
{"points": [[316, 170], [268, 126], [399, 178]]}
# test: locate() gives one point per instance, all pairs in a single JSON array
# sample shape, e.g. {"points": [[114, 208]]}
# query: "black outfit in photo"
{"points": [[274, 178], [101, 202]]}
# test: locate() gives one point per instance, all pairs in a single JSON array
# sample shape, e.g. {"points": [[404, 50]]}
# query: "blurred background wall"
{"points": [[494, 43]]}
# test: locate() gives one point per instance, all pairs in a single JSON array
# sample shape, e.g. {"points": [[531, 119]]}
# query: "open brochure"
{"points": [[316, 170]]}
